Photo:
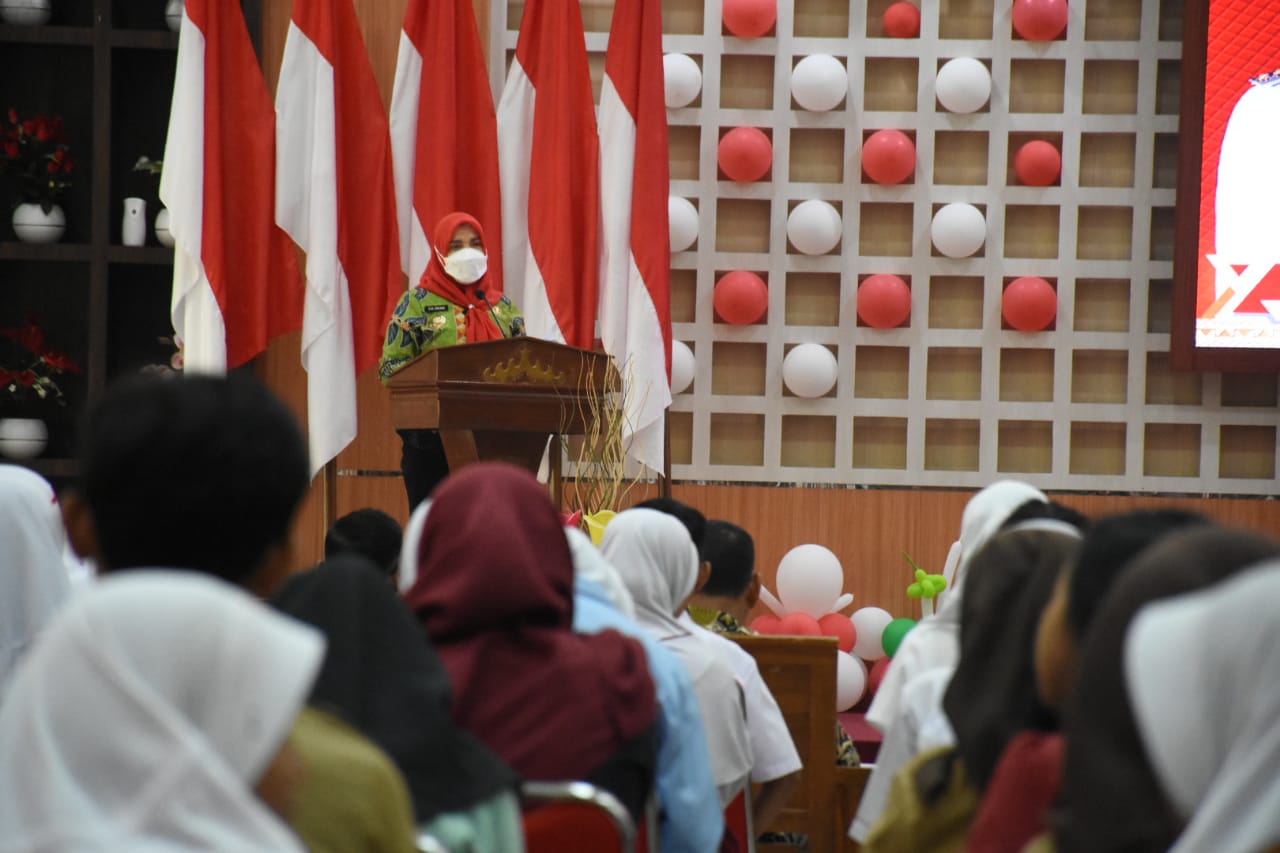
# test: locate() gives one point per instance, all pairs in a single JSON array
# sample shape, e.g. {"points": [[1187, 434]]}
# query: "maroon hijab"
{"points": [[480, 324], [495, 594]]}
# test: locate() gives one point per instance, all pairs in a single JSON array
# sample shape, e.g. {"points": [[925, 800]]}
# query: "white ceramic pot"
{"points": [[172, 14], [163, 235], [29, 13], [23, 438], [32, 225]]}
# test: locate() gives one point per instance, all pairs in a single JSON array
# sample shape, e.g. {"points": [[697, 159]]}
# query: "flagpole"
{"points": [[330, 511], [664, 488]]}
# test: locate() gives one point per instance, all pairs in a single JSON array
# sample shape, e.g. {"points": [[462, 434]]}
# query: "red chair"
{"points": [[738, 824], [575, 817]]}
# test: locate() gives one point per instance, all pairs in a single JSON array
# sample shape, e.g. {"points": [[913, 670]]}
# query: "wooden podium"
{"points": [[501, 400]]}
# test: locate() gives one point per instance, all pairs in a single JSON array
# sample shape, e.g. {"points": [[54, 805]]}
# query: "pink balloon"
{"points": [[884, 301], [1037, 163], [765, 623], [1039, 20], [745, 154], [741, 298], [749, 19], [1029, 304], [841, 627], [889, 156], [878, 669], [902, 21], [799, 625]]}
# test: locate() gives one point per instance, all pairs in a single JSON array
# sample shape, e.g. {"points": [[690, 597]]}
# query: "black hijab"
{"points": [[1111, 799], [382, 676], [992, 694]]}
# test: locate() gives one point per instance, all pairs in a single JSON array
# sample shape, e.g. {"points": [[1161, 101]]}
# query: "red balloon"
{"points": [[749, 19], [841, 627], [902, 21], [741, 298], [745, 154], [1037, 163], [878, 669], [889, 156], [884, 301], [1029, 304], [799, 625], [765, 623], [1039, 20]]}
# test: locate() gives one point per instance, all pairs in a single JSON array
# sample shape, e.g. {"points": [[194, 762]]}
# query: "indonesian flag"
{"points": [[444, 134], [549, 157], [335, 197], [635, 258], [235, 275]]}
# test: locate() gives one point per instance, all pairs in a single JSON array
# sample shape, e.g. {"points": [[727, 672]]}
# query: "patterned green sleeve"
{"points": [[409, 334], [509, 318]]}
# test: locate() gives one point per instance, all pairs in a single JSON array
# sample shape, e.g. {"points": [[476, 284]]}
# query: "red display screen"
{"points": [[1230, 291]]}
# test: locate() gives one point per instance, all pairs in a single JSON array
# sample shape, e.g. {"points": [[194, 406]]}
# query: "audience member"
{"points": [[494, 592], [381, 676], [1111, 799], [205, 474], [690, 819], [1025, 783], [372, 534], [989, 698], [197, 472], [111, 741], [1213, 656], [34, 583], [654, 555]]}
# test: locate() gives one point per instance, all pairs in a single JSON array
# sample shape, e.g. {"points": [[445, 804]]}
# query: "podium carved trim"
{"points": [[523, 369]]}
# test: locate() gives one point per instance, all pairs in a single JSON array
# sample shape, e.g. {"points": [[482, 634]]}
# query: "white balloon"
{"points": [[963, 85], [819, 82], [814, 227], [810, 578], [851, 680], [870, 622], [682, 79], [809, 370], [681, 367], [958, 230], [682, 222]]}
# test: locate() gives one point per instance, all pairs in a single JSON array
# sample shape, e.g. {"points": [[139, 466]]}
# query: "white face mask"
{"points": [[466, 266]]}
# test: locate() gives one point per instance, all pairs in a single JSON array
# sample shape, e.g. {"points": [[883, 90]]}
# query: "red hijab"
{"points": [[480, 323], [495, 594]]}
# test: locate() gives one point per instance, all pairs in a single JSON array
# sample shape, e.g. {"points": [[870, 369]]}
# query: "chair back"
{"points": [[575, 817], [801, 674]]}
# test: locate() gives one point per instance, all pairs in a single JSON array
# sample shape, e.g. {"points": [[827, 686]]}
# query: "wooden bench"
{"points": [[801, 673]]}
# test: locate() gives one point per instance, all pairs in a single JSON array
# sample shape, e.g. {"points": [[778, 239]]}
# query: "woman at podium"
{"points": [[452, 304]]}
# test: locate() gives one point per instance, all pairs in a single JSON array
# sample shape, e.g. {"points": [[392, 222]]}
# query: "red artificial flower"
{"points": [[26, 378], [11, 150], [13, 116], [60, 361]]}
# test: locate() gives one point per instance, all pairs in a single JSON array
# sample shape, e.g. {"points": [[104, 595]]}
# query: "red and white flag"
{"points": [[235, 274], [635, 257], [336, 198], [444, 133], [549, 154]]}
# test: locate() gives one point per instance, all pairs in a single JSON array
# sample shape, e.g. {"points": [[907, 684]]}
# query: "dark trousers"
{"points": [[423, 463]]}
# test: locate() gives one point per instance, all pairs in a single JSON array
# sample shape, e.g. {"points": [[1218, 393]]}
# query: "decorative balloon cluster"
{"points": [[810, 581], [819, 83]]}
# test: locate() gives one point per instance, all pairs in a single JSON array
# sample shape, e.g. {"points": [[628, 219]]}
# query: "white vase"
{"points": [[162, 228], [133, 230], [23, 438], [32, 225], [29, 13], [172, 14]]}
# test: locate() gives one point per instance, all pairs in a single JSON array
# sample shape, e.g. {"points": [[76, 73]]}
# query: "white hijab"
{"points": [[34, 582], [935, 642], [589, 564], [658, 563], [146, 714], [409, 546], [1203, 672]]}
